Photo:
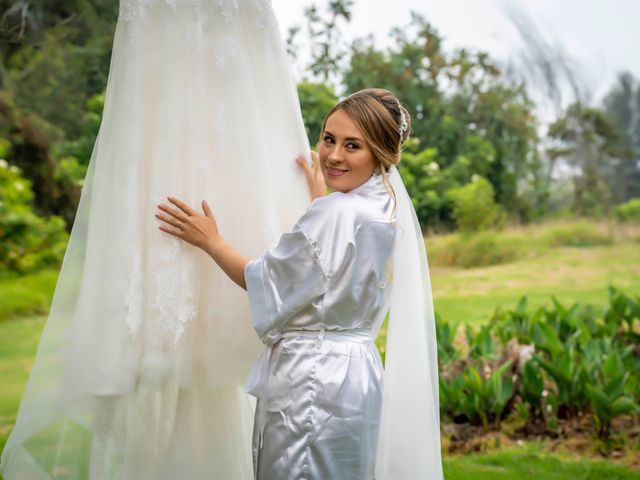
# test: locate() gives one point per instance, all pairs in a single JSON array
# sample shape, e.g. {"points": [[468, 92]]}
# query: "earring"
{"points": [[376, 171]]}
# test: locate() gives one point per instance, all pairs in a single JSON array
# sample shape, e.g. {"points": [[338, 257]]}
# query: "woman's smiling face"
{"points": [[345, 158]]}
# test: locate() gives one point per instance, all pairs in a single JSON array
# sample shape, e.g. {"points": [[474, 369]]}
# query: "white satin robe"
{"points": [[320, 391]]}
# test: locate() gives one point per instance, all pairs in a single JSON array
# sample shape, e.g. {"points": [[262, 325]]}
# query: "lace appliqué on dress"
{"points": [[135, 13], [133, 294], [173, 298]]}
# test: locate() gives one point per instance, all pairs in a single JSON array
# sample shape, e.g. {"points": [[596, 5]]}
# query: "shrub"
{"points": [[474, 206], [628, 211], [578, 234], [28, 242], [477, 249]]}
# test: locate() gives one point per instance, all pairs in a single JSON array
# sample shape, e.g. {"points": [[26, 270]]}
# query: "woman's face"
{"points": [[345, 158]]}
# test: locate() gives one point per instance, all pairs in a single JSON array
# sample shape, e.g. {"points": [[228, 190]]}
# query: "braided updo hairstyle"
{"points": [[377, 113]]}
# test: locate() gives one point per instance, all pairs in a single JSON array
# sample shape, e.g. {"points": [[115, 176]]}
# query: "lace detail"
{"points": [[135, 14], [173, 298], [133, 300]]}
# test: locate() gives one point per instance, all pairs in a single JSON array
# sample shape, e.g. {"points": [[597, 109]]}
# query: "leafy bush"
{"points": [[27, 242], [628, 211], [578, 234], [474, 206], [477, 249]]}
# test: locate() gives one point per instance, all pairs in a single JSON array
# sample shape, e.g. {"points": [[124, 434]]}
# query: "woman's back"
{"points": [[318, 299]]}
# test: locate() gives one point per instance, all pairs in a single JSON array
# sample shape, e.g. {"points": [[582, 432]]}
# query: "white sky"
{"points": [[602, 36]]}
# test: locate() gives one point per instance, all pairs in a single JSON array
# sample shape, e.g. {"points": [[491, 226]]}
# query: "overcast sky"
{"points": [[602, 36]]}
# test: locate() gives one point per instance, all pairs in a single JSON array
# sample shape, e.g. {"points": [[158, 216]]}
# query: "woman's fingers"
{"points": [[206, 209], [174, 212], [182, 206], [168, 219], [303, 163]]}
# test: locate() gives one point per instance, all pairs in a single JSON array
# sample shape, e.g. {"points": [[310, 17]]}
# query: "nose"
{"points": [[335, 156]]}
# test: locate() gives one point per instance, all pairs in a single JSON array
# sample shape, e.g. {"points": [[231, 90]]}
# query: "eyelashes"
{"points": [[350, 145]]}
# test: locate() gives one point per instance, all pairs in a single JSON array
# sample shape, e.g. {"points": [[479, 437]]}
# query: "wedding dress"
{"points": [[141, 365], [141, 368]]}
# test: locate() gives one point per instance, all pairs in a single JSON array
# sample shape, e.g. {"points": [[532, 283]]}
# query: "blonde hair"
{"points": [[377, 113]]}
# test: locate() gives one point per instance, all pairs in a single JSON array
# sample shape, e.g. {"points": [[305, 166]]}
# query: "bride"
{"points": [[141, 366]]}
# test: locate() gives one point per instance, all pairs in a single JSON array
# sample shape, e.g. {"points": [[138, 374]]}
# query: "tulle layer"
{"points": [[148, 342]]}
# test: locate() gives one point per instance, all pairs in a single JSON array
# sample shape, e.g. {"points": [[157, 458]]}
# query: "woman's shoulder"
{"points": [[337, 210]]}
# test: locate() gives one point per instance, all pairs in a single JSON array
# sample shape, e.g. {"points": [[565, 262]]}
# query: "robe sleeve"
{"points": [[287, 278], [298, 270]]}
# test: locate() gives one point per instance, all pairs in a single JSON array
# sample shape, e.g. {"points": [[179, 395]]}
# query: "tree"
{"points": [[327, 51], [464, 111], [622, 104], [316, 99], [588, 141]]}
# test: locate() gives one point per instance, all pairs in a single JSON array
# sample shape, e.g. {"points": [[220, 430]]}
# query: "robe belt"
{"points": [[259, 376]]}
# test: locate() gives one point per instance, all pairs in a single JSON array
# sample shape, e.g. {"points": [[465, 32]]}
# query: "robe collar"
{"points": [[373, 184]]}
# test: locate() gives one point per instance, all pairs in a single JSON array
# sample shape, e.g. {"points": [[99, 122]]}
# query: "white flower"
{"points": [[525, 353], [14, 169], [433, 167], [18, 186], [3, 163], [545, 393], [475, 177]]}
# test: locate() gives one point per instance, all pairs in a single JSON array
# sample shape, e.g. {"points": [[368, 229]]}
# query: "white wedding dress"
{"points": [[141, 369], [141, 365]]}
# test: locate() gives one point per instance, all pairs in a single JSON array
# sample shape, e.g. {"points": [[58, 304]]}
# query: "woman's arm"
{"points": [[202, 230], [228, 259]]}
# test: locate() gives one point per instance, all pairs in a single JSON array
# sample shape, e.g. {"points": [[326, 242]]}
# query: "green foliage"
{"points": [[578, 364], [628, 211], [469, 117], [27, 242], [447, 350], [474, 207], [76, 153], [479, 400], [577, 234], [477, 249], [586, 139], [622, 105], [316, 100], [327, 47], [607, 395]]}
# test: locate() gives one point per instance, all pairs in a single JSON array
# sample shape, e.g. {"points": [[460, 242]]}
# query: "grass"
{"points": [[18, 343], [531, 461], [29, 294], [572, 274]]}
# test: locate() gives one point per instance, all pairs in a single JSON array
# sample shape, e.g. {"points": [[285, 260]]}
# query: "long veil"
{"points": [[409, 446], [141, 363]]}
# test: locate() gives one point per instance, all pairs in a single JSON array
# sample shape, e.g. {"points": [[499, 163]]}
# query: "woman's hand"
{"points": [[185, 223], [313, 172]]}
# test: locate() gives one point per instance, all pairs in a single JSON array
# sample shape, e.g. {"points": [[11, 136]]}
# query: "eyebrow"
{"points": [[347, 139]]}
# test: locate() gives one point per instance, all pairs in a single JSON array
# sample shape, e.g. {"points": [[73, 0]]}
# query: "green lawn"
{"points": [[531, 461], [571, 274], [468, 295]]}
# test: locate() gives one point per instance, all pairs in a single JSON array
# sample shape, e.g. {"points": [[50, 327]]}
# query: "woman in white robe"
{"points": [[318, 299]]}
